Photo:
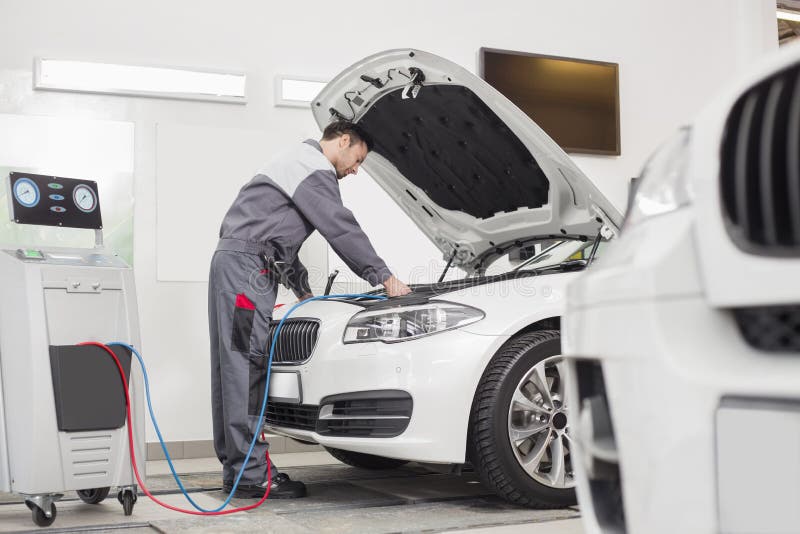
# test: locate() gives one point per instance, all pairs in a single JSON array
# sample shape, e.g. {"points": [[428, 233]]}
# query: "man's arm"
{"points": [[318, 198], [298, 280]]}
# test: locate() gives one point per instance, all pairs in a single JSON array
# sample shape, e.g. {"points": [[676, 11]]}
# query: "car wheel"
{"points": [[366, 461], [519, 426]]}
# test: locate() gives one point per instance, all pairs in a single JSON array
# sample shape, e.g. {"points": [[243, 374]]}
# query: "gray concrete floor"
{"points": [[341, 499]]}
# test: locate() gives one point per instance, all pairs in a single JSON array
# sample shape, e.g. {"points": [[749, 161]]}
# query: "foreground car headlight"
{"points": [[409, 322], [664, 187]]}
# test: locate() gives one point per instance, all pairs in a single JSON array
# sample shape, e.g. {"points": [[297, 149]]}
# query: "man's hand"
{"points": [[305, 297], [395, 288]]}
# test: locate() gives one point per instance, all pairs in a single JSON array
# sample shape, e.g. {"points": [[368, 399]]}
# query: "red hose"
{"points": [[133, 454]]}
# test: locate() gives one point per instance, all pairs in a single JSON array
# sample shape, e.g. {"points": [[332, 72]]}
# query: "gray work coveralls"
{"points": [[273, 214]]}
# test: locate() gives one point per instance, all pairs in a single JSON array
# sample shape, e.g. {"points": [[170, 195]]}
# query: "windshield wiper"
{"points": [[565, 266]]}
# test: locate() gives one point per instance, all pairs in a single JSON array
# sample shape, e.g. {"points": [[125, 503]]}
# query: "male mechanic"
{"points": [[273, 214]]}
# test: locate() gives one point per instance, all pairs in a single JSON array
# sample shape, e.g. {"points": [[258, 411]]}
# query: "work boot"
{"points": [[283, 487]]}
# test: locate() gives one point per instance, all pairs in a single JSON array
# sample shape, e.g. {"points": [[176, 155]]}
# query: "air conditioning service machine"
{"points": [[62, 415]]}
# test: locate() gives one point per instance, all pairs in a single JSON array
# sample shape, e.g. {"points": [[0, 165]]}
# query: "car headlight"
{"points": [[409, 322], [664, 187]]}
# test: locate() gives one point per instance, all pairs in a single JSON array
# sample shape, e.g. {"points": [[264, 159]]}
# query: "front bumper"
{"points": [[705, 428], [438, 374]]}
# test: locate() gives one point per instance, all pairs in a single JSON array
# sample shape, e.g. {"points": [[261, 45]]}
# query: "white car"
{"points": [[686, 337], [468, 370]]}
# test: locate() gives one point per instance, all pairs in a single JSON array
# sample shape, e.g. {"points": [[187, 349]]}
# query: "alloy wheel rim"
{"points": [[538, 424]]}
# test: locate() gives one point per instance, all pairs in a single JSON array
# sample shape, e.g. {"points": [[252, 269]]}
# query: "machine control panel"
{"points": [[54, 201], [30, 254]]}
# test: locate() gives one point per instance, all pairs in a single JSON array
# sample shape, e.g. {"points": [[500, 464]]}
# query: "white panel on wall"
{"points": [[199, 171]]}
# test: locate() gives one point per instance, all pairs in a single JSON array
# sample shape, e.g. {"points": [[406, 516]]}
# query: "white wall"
{"points": [[672, 57]]}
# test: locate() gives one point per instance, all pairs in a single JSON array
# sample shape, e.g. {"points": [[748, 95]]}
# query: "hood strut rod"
{"points": [[447, 267], [595, 246]]}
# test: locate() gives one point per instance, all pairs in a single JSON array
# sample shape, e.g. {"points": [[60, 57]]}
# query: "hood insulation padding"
{"points": [[455, 148]]}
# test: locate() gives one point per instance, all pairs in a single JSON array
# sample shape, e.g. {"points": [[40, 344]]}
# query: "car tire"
{"points": [[365, 461], [491, 424]]}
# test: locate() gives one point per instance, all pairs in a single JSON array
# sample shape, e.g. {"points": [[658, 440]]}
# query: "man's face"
{"points": [[350, 157]]}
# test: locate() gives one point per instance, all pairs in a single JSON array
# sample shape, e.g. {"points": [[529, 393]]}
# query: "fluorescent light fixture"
{"points": [[293, 91], [788, 15], [138, 80]]}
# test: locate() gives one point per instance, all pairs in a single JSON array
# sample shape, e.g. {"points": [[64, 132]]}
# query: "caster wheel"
{"points": [[93, 496], [127, 498], [39, 517]]}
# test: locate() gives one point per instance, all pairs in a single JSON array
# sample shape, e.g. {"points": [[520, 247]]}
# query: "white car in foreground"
{"points": [[468, 370], [686, 337]]}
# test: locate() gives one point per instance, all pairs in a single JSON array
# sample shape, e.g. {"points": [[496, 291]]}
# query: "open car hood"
{"points": [[472, 170]]}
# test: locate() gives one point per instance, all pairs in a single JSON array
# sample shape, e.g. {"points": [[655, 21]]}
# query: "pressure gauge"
{"points": [[26, 192], [85, 198]]}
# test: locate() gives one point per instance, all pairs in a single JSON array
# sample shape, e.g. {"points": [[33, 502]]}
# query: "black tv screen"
{"points": [[575, 101]]}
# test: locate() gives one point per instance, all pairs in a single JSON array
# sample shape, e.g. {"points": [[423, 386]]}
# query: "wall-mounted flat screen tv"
{"points": [[575, 101]]}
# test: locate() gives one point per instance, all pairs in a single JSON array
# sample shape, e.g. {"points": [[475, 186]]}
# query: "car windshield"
{"points": [[543, 255]]}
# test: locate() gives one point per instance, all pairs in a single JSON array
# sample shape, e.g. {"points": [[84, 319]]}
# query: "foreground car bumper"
{"points": [[706, 429], [407, 400]]}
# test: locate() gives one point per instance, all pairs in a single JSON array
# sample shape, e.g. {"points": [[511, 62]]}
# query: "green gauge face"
{"points": [[26, 192], [85, 198]]}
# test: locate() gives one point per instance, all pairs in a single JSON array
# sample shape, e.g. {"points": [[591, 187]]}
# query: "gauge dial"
{"points": [[85, 198], [26, 192]]}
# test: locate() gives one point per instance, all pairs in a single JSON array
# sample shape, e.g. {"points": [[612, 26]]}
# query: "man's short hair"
{"points": [[355, 131]]}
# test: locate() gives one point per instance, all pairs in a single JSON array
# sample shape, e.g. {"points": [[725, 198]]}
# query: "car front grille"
{"points": [[770, 328], [296, 340], [299, 416], [760, 167]]}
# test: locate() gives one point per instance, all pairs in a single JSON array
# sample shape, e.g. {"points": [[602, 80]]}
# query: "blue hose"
{"points": [[263, 402]]}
